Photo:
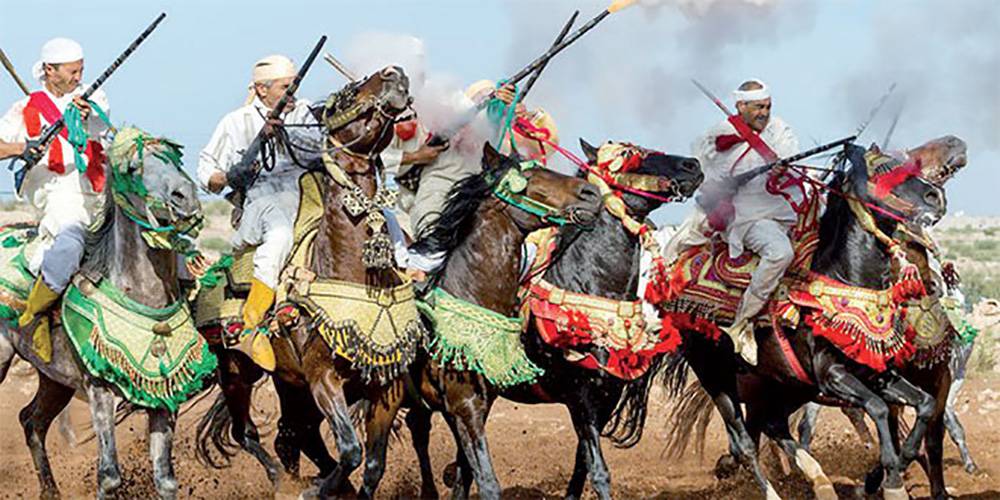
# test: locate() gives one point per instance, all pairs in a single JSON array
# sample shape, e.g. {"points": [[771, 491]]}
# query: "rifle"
{"points": [[33, 153], [441, 138], [559, 39], [13, 73], [710, 197], [242, 175]]}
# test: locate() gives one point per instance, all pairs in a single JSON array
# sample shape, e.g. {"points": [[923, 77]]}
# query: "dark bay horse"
{"points": [[851, 254], [148, 277], [483, 269]]}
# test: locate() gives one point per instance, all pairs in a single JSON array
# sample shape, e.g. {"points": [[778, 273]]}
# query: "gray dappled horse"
{"points": [[118, 252]]}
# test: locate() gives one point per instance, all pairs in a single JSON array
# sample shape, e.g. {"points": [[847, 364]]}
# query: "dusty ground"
{"points": [[532, 448]]}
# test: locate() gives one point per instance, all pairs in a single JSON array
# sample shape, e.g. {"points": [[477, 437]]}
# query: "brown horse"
{"points": [[773, 390], [482, 269]]}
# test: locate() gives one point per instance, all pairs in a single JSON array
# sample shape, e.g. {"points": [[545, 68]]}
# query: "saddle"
{"points": [[17, 243]]}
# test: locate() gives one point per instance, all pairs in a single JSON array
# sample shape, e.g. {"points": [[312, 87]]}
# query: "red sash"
{"points": [[41, 106]]}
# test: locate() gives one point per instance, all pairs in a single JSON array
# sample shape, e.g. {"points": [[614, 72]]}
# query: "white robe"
{"points": [[752, 201], [272, 203], [67, 202]]}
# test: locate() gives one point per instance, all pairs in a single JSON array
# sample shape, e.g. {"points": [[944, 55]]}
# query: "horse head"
{"points": [[359, 118], [897, 190], [940, 159], [538, 197], [149, 185], [645, 178]]}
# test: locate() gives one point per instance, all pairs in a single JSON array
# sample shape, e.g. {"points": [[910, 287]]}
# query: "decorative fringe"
{"points": [[860, 347], [684, 321], [378, 252], [462, 358], [170, 392]]}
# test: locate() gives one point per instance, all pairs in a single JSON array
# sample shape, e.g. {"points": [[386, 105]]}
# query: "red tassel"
{"points": [[885, 183]]}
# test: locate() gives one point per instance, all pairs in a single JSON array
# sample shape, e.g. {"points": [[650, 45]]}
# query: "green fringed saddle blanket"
{"points": [[471, 337], [16, 243], [154, 356]]}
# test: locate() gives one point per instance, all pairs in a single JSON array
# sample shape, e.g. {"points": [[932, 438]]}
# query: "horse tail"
{"points": [[628, 420], [689, 417], [214, 432]]}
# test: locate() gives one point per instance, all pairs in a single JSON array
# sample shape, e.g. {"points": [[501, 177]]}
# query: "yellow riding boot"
{"points": [[253, 343], [40, 300]]}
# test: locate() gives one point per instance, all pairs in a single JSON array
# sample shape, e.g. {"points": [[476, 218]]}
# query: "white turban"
{"points": [[272, 68], [752, 95], [57, 51]]}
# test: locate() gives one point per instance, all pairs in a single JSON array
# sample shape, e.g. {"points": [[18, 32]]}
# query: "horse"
{"points": [[149, 205], [482, 270], [801, 365]]}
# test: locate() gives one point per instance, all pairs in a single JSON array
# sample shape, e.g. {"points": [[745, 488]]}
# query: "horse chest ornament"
{"points": [[378, 248]]}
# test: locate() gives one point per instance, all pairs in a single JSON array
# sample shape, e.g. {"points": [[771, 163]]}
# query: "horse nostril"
{"points": [[589, 192], [690, 165]]}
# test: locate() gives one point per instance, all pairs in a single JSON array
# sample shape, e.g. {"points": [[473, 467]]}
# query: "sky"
{"points": [[827, 63]]}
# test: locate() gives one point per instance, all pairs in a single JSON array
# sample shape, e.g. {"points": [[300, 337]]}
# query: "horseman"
{"points": [[529, 131], [272, 201], [65, 185], [760, 216]]}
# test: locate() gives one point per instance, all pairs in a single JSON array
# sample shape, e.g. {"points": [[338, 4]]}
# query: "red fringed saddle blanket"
{"points": [[576, 322], [867, 325]]}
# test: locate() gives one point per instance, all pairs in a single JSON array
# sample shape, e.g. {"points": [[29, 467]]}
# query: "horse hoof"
{"points": [[310, 493], [895, 494], [971, 468], [771, 493], [450, 475], [50, 494], [825, 492], [726, 467]]}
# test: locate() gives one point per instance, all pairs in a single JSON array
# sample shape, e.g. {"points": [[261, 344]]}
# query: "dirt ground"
{"points": [[532, 447]]}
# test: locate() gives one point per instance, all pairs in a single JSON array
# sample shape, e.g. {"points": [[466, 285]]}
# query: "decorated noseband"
{"points": [[512, 188], [162, 228]]}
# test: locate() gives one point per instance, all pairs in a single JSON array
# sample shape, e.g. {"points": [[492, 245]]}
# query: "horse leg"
{"points": [[378, 424], [418, 420], [328, 392], [469, 405], [589, 435], [7, 354], [808, 424], [934, 444], [161, 442], [299, 430], [236, 378], [837, 382], [857, 418], [579, 477], [102, 412], [66, 428], [50, 399], [776, 428], [458, 475], [900, 390], [715, 368], [955, 429]]}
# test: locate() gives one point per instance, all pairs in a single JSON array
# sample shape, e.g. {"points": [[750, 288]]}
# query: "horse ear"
{"points": [[589, 150], [858, 168], [492, 158]]}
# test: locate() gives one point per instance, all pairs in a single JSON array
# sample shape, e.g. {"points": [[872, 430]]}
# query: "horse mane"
{"points": [[456, 219], [98, 248]]}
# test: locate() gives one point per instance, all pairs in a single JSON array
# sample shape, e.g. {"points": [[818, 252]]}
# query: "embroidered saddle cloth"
{"points": [[17, 243], [155, 357]]}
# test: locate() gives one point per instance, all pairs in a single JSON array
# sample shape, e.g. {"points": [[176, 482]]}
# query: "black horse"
{"points": [[602, 261], [850, 254]]}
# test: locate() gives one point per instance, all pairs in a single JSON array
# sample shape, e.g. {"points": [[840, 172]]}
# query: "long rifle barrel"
{"points": [[559, 39], [555, 49], [710, 95], [13, 73], [745, 177], [50, 132]]}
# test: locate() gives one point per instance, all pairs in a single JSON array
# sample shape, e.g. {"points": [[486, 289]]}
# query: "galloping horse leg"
{"points": [[102, 412], [237, 374], [957, 434], [161, 442], [934, 444], [299, 430], [900, 390], [837, 382], [50, 399], [714, 364], [469, 403], [328, 391], [418, 420], [579, 478], [955, 429], [382, 413], [774, 423], [589, 435], [458, 475], [808, 424], [7, 354]]}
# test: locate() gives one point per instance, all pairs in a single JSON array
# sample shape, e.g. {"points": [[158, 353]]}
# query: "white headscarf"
{"points": [[752, 95], [270, 68], [56, 51]]}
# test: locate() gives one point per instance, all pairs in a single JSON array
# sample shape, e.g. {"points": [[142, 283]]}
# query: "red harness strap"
{"points": [[786, 348]]}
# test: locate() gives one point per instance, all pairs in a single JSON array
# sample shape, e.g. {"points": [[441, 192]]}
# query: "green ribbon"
{"points": [[77, 135]]}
